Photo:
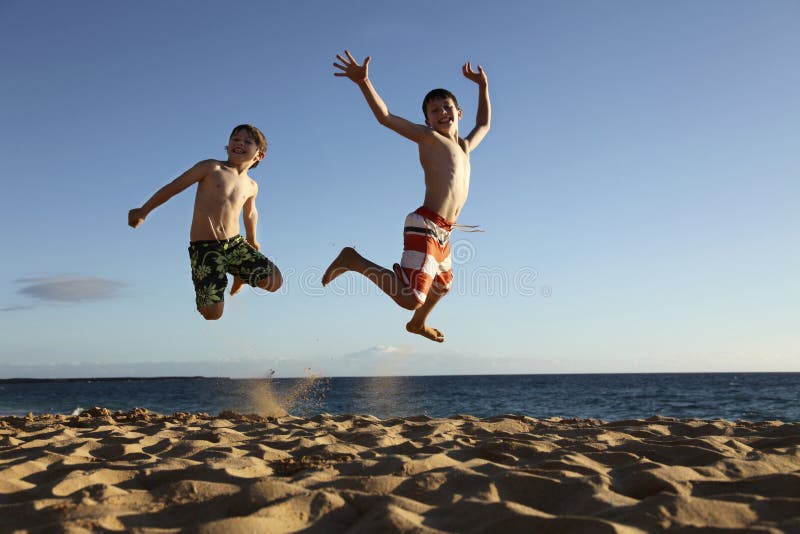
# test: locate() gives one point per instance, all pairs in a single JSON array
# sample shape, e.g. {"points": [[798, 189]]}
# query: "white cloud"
{"points": [[379, 351]]}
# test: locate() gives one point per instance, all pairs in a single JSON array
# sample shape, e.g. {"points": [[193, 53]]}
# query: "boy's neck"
{"points": [[452, 135], [241, 168]]}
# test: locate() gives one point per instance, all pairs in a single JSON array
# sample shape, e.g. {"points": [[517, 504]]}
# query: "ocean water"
{"points": [[610, 397]]}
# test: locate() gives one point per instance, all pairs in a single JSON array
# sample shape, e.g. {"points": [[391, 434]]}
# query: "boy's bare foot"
{"points": [[236, 286], [425, 331], [340, 265]]}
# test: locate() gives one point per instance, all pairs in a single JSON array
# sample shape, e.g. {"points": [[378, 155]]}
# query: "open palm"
{"points": [[477, 77], [351, 68]]}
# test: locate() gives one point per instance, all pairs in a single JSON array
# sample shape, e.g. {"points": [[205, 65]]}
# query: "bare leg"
{"points": [[417, 323], [212, 312], [386, 280]]}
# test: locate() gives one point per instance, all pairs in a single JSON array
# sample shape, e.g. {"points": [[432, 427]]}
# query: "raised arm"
{"points": [[359, 74], [484, 116], [137, 216]]}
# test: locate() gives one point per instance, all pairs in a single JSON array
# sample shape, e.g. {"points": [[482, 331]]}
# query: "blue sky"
{"points": [[638, 190]]}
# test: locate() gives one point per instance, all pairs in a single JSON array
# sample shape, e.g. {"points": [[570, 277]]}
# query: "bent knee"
{"points": [[273, 282], [211, 313], [409, 302]]}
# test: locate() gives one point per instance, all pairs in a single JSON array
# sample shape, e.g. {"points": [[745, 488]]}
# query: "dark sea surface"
{"points": [[748, 396]]}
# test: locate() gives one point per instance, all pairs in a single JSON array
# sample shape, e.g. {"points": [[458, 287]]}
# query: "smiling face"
{"points": [[442, 114], [246, 145]]}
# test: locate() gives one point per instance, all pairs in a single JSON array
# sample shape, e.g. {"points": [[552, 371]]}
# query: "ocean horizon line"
{"points": [[30, 380]]}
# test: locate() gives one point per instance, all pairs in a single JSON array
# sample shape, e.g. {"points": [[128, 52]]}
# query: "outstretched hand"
{"points": [[477, 77], [351, 68]]}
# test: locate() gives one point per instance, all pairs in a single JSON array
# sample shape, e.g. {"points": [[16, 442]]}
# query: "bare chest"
{"points": [[445, 159], [223, 187]]}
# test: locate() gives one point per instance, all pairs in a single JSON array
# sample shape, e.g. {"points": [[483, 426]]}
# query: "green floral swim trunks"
{"points": [[211, 260]]}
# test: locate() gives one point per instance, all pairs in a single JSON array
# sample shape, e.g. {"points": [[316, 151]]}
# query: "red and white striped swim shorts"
{"points": [[426, 253]]}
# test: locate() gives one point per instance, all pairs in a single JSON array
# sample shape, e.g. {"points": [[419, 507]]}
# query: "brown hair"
{"points": [[256, 135], [436, 94]]}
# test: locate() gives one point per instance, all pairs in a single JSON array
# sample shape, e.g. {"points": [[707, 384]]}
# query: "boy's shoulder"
{"points": [[207, 165], [210, 163]]}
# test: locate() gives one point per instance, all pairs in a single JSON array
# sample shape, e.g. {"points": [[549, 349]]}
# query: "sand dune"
{"points": [[140, 471]]}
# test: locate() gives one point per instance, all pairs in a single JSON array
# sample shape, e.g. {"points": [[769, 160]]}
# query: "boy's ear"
{"points": [[260, 155]]}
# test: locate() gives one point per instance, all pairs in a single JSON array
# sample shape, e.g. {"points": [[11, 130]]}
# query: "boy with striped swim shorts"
{"points": [[424, 274]]}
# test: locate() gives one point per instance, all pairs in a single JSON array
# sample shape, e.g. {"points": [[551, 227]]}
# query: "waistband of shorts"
{"points": [[435, 218], [215, 241]]}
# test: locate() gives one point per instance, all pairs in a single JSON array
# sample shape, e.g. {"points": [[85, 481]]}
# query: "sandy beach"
{"points": [[146, 472]]}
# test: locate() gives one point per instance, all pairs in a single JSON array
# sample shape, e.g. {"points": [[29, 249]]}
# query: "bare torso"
{"points": [[218, 204], [446, 165]]}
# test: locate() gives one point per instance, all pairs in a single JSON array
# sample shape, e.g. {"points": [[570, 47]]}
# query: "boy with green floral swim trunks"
{"points": [[424, 274], [224, 192]]}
